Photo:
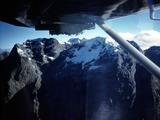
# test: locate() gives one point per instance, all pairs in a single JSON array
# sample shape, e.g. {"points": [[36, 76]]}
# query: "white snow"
{"points": [[24, 45], [21, 52], [90, 51], [94, 67], [51, 58], [42, 43], [45, 58], [116, 50]]}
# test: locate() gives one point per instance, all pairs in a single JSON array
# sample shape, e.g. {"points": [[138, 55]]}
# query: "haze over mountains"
{"points": [[43, 79], [4, 53]]}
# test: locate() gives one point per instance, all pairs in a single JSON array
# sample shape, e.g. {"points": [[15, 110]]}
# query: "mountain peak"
{"points": [[41, 49], [87, 51], [91, 79]]}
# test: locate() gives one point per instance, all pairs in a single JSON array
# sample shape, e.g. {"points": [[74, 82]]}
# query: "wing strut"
{"points": [[147, 63]]}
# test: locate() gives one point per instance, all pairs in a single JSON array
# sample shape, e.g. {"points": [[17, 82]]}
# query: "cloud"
{"points": [[127, 35], [145, 39]]}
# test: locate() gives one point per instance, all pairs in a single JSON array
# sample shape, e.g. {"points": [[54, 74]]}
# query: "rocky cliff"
{"points": [[80, 80]]}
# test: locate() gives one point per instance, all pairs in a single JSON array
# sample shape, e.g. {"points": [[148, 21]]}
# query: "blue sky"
{"points": [[135, 23], [9, 34]]}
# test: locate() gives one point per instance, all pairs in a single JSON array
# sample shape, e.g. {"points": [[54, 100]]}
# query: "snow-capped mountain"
{"points": [[78, 80]]}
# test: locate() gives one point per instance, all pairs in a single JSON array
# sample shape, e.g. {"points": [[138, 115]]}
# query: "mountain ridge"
{"points": [[82, 80]]}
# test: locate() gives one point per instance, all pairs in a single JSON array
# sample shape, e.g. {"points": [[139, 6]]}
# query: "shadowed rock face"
{"points": [[84, 80]]}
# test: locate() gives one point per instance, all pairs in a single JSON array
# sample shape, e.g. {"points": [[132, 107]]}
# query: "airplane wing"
{"points": [[58, 16]]}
